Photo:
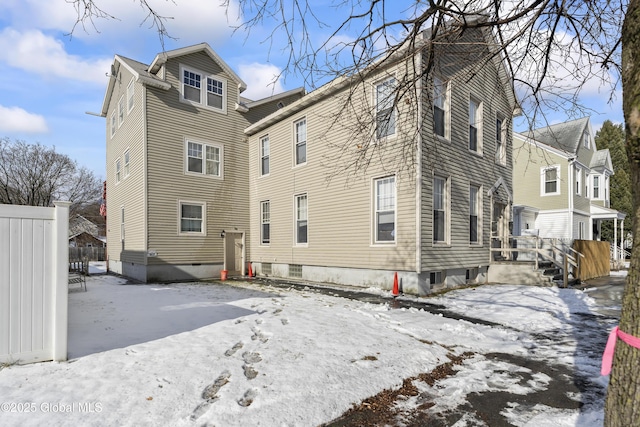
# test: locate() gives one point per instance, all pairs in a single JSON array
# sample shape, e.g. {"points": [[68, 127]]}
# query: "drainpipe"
{"points": [[570, 187]]}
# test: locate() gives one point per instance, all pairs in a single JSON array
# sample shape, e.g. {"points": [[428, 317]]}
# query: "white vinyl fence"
{"points": [[33, 283]]}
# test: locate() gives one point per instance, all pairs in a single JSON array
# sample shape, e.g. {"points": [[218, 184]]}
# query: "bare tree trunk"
{"points": [[622, 407]]}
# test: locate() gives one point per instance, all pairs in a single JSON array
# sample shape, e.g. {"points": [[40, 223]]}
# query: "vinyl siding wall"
{"points": [[340, 210], [452, 159], [170, 122], [129, 192], [528, 160]]}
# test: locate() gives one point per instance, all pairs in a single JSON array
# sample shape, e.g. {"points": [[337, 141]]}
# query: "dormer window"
{"points": [[192, 82]]}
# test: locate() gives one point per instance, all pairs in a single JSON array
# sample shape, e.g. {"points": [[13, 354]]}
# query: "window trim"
{"points": [[263, 241], [114, 122], [595, 188], [118, 170], [447, 108], [296, 163], [393, 109], [376, 211], [479, 216], [204, 89], [578, 180], [204, 145], [446, 209], [501, 149], [543, 181], [126, 163], [203, 220], [586, 142], [296, 220], [130, 95], [479, 128], [264, 157], [121, 111]]}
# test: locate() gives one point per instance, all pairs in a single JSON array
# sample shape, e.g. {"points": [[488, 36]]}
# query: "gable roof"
{"points": [[601, 160], [163, 57], [147, 74], [565, 136], [140, 73]]}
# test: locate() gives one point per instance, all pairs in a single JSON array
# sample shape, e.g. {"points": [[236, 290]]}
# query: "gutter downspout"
{"points": [[570, 184], [419, 118]]}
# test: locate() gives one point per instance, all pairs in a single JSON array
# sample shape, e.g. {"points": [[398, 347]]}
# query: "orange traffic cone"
{"points": [[395, 290], [250, 271]]}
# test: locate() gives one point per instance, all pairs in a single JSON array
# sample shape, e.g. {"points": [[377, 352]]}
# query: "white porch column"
{"points": [[615, 238], [622, 239]]}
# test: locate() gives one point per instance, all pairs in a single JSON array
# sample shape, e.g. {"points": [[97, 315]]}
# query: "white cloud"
{"points": [[262, 80], [193, 21], [14, 119], [41, 54]]}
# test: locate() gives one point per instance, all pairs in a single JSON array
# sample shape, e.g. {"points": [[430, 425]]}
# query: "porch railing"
{"points": [[535, 249]]}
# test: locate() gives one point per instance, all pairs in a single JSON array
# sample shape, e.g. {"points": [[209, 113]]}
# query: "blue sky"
{"points": [[50, 79]]}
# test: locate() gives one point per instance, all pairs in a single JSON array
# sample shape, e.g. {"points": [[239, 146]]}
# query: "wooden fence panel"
{"points": [[33, 283], [596, 262]]}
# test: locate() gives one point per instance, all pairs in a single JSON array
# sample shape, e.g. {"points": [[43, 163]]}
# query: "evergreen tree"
{"points": [[611, 136]]}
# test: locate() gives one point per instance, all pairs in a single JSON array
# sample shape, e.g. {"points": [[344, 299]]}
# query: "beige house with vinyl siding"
{"points": [[177, 170], [561, 183], [436, 189]]}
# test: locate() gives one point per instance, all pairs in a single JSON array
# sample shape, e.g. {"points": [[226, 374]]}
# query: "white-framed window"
{"points": [[126, 156], [204, 159], [206, 90], [300, 139], [586, 184], [606, 190], [501, 140], [385, 110], [585, 140], [440, 209], [191, 86], [301, 215], [475, 215], [130, 95], [121, 111], [578, 173], [441, 107], [581, 230], [475, 126], [192, 218], [265, 222], [264, 155], [114, 122], [385, 209], [550, 180], [595, 188], [118, 170]]}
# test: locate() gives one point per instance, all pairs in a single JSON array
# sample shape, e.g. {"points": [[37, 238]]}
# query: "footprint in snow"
{"points": [[259, 335], [284, 321], [210, 395], [248, 397], [237, 346], [210, 392], [251, 357], [249, 372]]}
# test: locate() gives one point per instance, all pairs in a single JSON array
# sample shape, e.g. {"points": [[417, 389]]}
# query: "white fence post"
{"points": [[61, 273]]}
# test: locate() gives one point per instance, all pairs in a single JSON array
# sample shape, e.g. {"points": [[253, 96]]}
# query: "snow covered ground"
{"points": [[255, 355]]}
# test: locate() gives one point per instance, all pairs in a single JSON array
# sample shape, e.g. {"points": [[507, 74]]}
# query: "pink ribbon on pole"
{"points": [[607, 357]]}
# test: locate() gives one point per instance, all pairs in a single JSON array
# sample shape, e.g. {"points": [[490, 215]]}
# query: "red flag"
{"points": [[103, 210]]}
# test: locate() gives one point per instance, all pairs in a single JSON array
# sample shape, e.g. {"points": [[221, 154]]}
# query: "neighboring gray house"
{"points": [[177, 169], [434, 221], [561, 184]]}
